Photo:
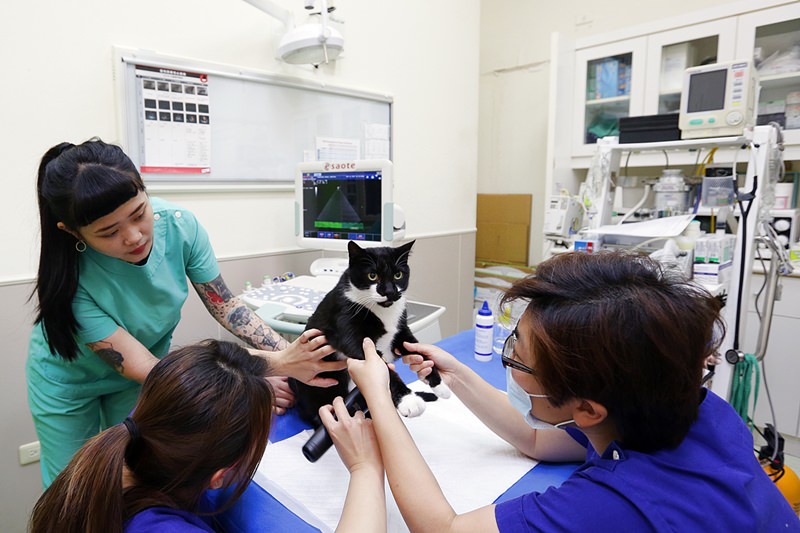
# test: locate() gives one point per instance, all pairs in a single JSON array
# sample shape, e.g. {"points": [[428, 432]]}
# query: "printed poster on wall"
{"points": [[175, 121]]}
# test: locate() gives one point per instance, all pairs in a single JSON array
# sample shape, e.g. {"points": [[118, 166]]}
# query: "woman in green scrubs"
{"points": [[111, 283]]}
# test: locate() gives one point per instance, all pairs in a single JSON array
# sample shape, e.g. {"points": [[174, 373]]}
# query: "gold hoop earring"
{"points": [[80, 246]]}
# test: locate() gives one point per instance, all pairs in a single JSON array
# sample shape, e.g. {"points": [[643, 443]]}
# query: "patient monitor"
{"points": [[718, 100]]}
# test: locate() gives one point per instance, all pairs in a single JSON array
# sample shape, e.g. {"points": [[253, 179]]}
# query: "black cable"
{"points": [[763, 285], [744, 211]]}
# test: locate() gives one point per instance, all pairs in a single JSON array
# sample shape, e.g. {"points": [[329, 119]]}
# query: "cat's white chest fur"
{"points": [[390, 316]]}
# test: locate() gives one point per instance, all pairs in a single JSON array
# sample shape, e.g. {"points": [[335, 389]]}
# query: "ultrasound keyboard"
{"points": [[299, 296]]}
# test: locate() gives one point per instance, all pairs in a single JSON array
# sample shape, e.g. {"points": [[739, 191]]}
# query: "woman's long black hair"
{"points": [[76, 185]]}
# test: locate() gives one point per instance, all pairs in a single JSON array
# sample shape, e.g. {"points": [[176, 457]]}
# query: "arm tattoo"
{"points": [[236, 317], [107, 353]]}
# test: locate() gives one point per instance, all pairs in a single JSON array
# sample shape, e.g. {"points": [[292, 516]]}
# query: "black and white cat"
{"points": [[367, 301]]}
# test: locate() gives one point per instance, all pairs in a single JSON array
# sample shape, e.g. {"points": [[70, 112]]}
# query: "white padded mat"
{"points": [[473, 466]]}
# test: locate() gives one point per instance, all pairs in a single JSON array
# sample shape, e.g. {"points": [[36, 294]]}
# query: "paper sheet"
{"points": [[472, 464], [660, 227]]}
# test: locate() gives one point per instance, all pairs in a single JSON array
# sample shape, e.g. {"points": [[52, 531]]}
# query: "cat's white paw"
{"points": [[411, 405], [442, 391]]}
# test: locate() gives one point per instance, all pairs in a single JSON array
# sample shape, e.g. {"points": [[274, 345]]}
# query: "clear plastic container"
{"points": [[502, 329], [671, 193]]}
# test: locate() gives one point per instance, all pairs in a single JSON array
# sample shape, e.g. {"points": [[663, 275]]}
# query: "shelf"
{"points": [[683, 144], [612, 100], [777, 81]]}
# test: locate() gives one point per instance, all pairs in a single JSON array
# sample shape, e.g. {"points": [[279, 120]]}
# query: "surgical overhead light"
{"points": [[306, 44]]}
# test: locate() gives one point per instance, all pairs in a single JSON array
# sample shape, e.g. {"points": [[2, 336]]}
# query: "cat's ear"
{"points": [[354, 249], [403, 251]]}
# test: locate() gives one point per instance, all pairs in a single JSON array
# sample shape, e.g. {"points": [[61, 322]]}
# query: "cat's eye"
{"points": [[372, 276], [398, 275]]}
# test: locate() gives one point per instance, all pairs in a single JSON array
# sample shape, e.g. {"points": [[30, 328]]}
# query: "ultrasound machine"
{"points": [[336, 202]]}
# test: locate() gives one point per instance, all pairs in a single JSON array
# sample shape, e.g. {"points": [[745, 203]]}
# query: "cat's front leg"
{"points": [[407, 402], [434, 379]]}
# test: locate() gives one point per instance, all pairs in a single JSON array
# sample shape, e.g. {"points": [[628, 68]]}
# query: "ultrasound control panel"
{"points": [[299, 301], [286, 306]]}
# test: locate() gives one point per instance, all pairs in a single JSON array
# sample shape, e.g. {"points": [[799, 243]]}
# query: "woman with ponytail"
{"points": [[112, 279], [202, 422]]}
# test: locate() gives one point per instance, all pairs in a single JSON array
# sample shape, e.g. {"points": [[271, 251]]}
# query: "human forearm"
{"points": [[122, 352], [492, 407], [251, 328], [236, 317], [416, 491], [365, 503]]}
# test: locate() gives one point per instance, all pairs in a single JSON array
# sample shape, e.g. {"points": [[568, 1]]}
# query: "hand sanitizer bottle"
{"points": [[484, 325]]}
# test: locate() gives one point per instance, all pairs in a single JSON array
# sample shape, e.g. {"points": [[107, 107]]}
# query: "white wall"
{"points": [[515, 76], [57, 84]]}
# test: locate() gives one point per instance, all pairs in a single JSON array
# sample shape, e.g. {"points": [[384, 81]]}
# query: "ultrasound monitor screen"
{"points": [[343, 205], [707, 91]]}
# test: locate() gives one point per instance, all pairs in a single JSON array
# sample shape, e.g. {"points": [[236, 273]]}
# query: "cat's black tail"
{"points": [[427, 396]]}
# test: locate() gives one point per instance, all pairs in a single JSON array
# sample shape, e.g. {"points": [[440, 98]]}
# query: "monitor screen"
{"points": [[343, 201], [707, 91]]}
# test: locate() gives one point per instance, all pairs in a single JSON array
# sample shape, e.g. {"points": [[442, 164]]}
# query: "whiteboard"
{"points": [[261, 125]]}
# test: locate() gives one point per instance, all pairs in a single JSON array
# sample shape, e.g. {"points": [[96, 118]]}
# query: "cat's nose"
{"points": [[392, 295]]}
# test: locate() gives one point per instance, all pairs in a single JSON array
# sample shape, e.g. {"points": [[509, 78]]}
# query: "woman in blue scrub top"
{"points": [[202, 421], [112, 279], [610, 348]]}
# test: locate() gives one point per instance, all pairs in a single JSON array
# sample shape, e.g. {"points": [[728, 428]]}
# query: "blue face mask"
{"points": [[521, 401]]}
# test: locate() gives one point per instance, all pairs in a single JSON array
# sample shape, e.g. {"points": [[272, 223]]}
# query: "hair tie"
{"points": [[133, 429]]}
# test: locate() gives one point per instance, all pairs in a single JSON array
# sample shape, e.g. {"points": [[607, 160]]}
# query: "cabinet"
{"points": [[609, 85], [772, 38], [642, 74], [671, 52]]}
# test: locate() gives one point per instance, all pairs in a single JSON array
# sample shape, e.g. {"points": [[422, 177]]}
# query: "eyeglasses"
{"points": [[508, 355]]}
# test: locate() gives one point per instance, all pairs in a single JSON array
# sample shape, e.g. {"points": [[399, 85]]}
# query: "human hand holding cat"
{"points": [[284, 397], [371, 375], [445, 363], [302, 359], [353, 436]]}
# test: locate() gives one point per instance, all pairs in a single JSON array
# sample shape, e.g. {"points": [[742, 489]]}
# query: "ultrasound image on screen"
{"points": [[707, 91], [342, 205]]}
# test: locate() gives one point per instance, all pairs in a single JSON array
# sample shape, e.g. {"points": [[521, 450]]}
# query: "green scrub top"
{"points": [[73, 401], [144, 300]]}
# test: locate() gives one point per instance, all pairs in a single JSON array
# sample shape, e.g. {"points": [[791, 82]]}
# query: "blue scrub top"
{"points": [[711, 482], [167, 520]]}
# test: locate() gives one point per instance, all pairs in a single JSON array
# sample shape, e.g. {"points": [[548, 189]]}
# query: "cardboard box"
{"points": [[712, 273], [503, 222]]}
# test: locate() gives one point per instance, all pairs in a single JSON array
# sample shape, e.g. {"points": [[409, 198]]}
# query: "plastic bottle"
{"points": [[502, 329], [686, 241], [484, 325]]}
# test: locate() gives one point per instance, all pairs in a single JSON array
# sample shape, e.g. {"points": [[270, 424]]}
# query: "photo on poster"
{"points": [[171, 141]]}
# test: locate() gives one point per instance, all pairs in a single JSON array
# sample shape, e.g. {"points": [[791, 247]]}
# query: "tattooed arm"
{"points": [[300, 359], [122, 352], [236, 317]]}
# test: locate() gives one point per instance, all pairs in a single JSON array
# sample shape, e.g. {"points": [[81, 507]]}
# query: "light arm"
{"points": [[122, 352], [236, 317]]}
